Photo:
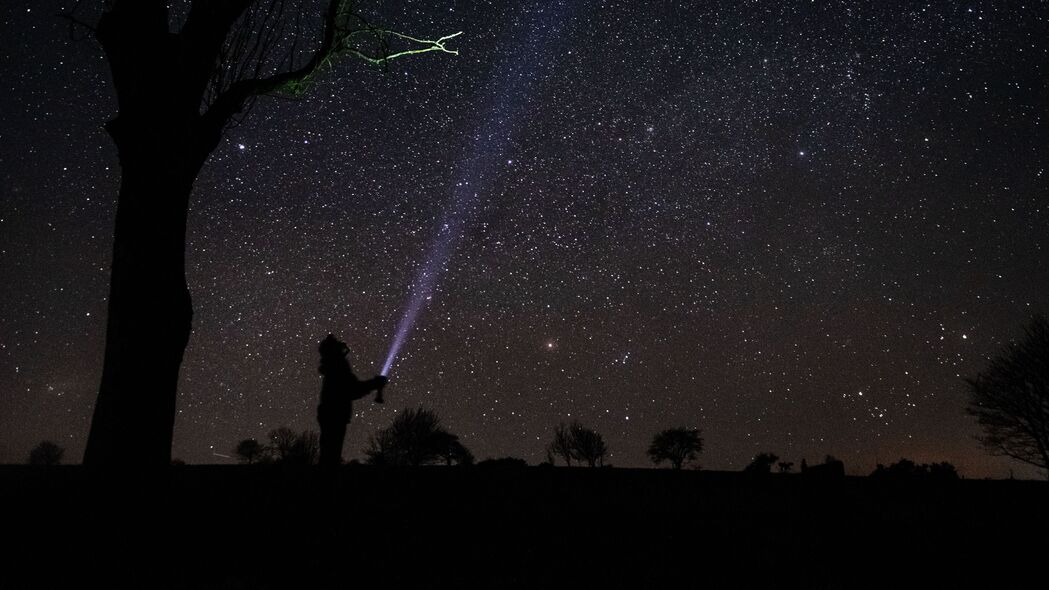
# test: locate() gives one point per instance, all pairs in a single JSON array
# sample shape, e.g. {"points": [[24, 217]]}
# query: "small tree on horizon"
{"points": [[46, 453], [577, 442], [676, 445], [907, 469], [561, 445], [416, 437], [249, 451], [281, 443], [1010, 399], [305, 449], [290, 447], [587, 445], [761, 464], [453, 452], [381, 449]]}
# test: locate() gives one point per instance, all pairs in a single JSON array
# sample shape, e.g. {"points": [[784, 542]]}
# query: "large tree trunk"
{"points": [[150, 310], [162, 147], [149, 321]]}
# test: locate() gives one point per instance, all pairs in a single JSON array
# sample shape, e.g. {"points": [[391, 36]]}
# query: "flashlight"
{"points": [[378, 391]]}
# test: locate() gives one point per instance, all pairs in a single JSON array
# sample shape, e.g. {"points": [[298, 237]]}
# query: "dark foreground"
{"points": [[274, 527]]}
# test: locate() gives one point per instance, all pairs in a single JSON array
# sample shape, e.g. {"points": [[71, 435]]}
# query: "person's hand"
{"points": [[382, 380]]}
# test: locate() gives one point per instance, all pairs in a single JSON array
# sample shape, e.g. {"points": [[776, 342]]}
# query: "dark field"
{"points": [[278, 527]]}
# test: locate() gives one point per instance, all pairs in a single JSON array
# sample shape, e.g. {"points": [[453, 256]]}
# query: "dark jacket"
{"points": [[339, 389]]}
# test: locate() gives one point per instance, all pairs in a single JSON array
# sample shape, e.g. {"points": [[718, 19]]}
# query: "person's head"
{"points": [[333, 352], [332, 346]]}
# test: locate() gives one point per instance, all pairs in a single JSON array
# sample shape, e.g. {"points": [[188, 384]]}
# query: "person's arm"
{"points": [[363, 388]]}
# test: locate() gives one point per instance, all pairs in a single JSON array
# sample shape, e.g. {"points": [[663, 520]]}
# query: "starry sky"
{"points": [[794, 225]]}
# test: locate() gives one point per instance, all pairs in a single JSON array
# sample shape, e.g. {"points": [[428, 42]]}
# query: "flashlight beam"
{"points": [[508, 101]]}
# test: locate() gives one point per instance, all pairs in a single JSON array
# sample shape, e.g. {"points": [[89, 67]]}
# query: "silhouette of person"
{"points": [[338, 390]]}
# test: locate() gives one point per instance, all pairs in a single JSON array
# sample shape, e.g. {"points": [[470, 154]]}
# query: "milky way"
{"points": [[796, 226]]}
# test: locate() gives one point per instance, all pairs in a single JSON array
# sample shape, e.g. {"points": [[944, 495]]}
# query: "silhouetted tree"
{"points": [[901, 468], [305, 449], [587, 445], [291, 448], [761, 464], [249, 451], [452, 450], [561, 446], [282, 443], [459, 454], [942, 471], [415, 438], [381, 449], [905, 469], [785, 466], [1010, 399], [46, 453], [676, 445], [182, 72]]}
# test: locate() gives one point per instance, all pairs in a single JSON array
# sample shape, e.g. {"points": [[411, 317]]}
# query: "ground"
{"points": [[513, 527]]}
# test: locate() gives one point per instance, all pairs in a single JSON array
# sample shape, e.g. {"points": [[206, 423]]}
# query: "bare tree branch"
{"points": [[75, 21], [343, 32]]}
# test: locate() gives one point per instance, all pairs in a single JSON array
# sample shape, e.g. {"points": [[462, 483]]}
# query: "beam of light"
{"points": [[507, 103]]}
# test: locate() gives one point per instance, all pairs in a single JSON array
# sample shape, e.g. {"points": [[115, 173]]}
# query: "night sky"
{"points": [[794, 225]]}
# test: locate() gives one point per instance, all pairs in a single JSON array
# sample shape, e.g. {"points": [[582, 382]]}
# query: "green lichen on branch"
{"points": [[346, 34], [345, 45]]}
